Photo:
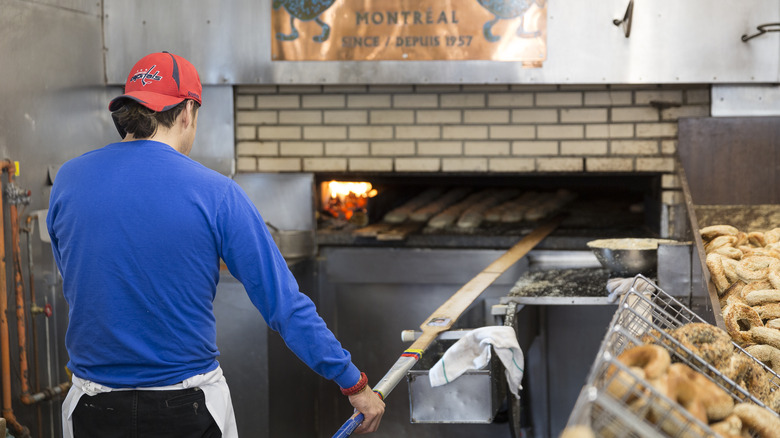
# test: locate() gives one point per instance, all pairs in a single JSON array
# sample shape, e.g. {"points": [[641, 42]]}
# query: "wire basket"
{"points": [[637, 408]]}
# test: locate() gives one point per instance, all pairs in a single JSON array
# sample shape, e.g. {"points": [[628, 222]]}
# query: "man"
{"points": [[138, 230]]}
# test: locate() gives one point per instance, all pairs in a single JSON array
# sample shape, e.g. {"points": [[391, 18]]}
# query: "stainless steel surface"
{"points": [[369, 295], [625, 256], [745, 100], [471, 398], [242, 339], [52, 84], [285, 200], [674, 269], [666, 35]]}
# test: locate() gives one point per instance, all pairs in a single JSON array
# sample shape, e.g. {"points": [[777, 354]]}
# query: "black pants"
{"points": [[144, 414]]}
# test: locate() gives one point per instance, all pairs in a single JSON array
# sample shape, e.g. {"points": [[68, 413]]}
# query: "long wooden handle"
{"points": [[445, 316]]}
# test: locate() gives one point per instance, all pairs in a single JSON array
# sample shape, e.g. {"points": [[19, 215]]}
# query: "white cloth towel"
{"points": [[618, 287], [472, 352], [212, 384]]}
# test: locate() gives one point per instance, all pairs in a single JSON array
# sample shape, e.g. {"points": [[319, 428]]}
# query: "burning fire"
{"points": [[347, 200]]}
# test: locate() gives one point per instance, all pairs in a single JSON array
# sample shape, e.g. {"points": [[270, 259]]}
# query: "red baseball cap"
{"points": [[160, 81]]}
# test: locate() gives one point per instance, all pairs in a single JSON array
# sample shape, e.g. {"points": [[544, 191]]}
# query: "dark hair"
{"points": [[142, 122]]}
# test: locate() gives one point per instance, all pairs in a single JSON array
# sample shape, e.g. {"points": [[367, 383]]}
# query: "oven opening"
{"points": [[483, 211]]}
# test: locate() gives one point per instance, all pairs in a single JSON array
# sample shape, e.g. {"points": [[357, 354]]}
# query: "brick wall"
{"points": [[462, 128]]}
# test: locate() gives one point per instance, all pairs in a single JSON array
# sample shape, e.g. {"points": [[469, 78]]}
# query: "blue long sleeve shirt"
{"points": [[138, 230]]}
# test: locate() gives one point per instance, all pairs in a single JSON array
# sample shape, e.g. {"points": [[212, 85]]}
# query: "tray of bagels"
{"points": [[662, 371]]}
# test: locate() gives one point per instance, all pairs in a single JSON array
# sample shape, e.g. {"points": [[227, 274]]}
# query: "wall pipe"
{"points": [[5, 355], [18, 196]]}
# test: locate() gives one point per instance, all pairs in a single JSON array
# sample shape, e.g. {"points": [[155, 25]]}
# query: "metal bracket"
{"points": [[762, 29], [627, 19]]}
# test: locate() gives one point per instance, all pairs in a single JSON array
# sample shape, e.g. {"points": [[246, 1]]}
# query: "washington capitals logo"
{"points": [[146, 76]]}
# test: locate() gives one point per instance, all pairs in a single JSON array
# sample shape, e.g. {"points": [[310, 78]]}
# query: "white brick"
{"points": [[701, 95], [560, 131], [655, 165], [415, 101], [369, 101], [523, 87], [246, 164], [279, 165], [669, 96], [300, 117], [371, 164], [534, 148], [583, 147], [535, 116], [672, 197], [559, 164], [608, 98], [583, 115], [392, 117], [634, 147], [256, 89], [345, 117], [324, 132], [510, 132], [462, 100], [483, 88], [344, 89], [324, 164], [511, 164], [640, 114], [439, 116], [246, 133], [384, 88], [437, 88], [609, 164], [685, 111], [612, 130], [256, 117], [668, 147], [656, 129], [486, 116], [276, 102], [417, 132], [245, 102], [299, 89], [353, 148], [370, 132], [300, 148], [670, 181], [510, 99], [464, 164], [464, 132], [486, 148], [582, 87], [439, 148], [417, 165], [324, 101], [392, 148], [264, 148], [279, 132], [559, 99]]}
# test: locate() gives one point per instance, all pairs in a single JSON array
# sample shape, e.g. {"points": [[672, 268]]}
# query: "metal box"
{"points": [[474, 397]]}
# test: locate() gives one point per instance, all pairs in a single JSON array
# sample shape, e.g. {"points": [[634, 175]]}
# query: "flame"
{"points": [[345, 198]]}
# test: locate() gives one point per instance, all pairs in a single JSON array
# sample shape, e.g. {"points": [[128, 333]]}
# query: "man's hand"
{"points": [[371, 406]]}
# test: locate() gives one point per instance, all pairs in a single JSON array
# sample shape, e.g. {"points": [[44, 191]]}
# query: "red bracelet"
{"points": [[359, 386]]}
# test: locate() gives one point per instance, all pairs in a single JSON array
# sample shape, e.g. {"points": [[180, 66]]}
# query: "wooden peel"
{"points": [[448, 313]]}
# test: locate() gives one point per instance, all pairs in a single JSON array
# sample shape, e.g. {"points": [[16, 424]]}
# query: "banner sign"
{"points": [[409, 30]]}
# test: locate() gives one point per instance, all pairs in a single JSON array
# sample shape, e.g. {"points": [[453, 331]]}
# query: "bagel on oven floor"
{"points": [[762, 296], [713, 231]]}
